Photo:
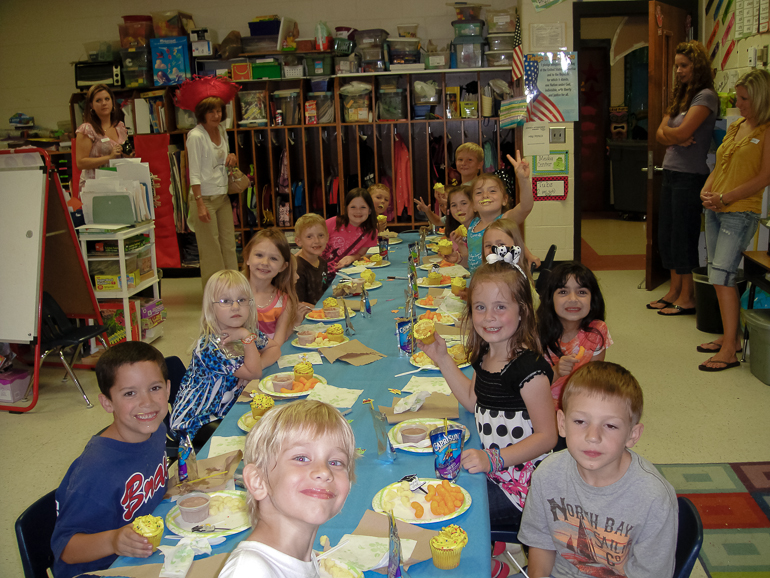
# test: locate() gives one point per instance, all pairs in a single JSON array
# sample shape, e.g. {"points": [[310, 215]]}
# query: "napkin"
{"points": [[335, 396], [292, 360], [452, 331], [374, 524], [452, 304], [429, 384], [369, 552], [429, 259], [354, 352], [437, 405], [355, 305], [455, 271], [202, 568], [224, 463], [179, 558], [410, 402], [354, 269], [220, 445]]}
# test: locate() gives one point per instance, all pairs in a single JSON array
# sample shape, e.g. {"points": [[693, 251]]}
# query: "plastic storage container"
{"points": [[499, 57], [392, 104], [404, 45], [707, 316], [375, 36], [500, 41], [436, 60], [319, 84], [288, 101], [324, 105], [251, 44], [408, 30], [138, 78], [429, 100], [468, 51], [346, 64], [371, 52], [260, 70], [171, 23], [356, 108], [468, 27], [318, 64], [373, 66], [758, 321], [136, 31], [134, 58], [467, 11], [343, 46], [501, 20]]}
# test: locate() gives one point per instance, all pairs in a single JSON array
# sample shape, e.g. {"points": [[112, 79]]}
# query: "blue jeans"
{"points": [[679, 220], [727, 235]]}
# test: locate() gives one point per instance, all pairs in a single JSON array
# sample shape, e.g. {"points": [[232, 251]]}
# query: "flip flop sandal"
{"points": [[725, 365], [679, 311], [499, 569], [702, 349], [663, 301]]}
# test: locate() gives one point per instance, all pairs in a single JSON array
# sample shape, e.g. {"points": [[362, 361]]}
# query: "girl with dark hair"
{"points": [[102, 134], [352, 233], [571, 322], [686, 128]]}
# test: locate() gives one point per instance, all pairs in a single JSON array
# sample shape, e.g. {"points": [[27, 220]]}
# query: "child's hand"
{"points": [[126, 542], [235, 334], [302, 310], [475, 461], [435, 350], [421, 206], [565, 365], [520, 166], [345, 261]]}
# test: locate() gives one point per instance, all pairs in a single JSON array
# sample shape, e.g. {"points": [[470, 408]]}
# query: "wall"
{"points": [[601, 29]]}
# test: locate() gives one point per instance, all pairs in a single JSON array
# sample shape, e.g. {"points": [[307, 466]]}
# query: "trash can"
{"points": [[629, 183], [707, 316], [758, 321]]}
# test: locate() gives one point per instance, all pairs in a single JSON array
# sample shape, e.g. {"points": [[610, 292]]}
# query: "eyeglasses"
{"points": [[228, 303]]}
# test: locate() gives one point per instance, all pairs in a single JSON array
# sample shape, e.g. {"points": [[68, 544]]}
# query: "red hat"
{"points": [[191, 92]]}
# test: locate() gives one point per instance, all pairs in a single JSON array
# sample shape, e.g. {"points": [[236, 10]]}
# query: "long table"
{"points": [[378, 332]]}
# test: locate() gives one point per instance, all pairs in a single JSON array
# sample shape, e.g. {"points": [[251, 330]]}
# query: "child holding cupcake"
{"points": [[99, 499], [299, 467], [381, 198], [352, 233], [311, 236]]}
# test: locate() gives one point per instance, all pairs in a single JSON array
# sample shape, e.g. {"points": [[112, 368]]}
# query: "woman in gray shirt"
{"points": [[686, 128]]}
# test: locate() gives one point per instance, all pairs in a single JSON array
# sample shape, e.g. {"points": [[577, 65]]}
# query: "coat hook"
{"points": [[275, 141], [291, 137]]}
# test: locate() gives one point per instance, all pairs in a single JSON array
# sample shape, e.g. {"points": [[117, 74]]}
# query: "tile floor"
{"points": [[690, 417]]}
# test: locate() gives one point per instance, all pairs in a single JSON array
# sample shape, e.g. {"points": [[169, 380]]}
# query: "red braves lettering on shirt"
{"points": [[140, 490]]}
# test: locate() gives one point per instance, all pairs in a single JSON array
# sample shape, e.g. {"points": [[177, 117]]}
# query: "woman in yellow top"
{"points": [[733, 196]]}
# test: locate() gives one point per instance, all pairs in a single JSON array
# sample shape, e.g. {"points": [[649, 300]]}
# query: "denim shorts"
{"points": [[727, 235]]}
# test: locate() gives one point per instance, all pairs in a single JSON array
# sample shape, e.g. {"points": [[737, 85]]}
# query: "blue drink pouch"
{"points": [[448, 449]]}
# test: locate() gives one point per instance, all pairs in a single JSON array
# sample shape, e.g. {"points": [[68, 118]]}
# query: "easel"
{"points": [[60, 269]]}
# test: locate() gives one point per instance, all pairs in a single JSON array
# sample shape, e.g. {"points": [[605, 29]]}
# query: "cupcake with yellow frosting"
{"points": [[260, 404], [425, 331], [462, 231], [303, 369], [434, 278], [375, 258], [382, 219], [332, 309], [150, 527], [447, 546], [368, 276], [445, 247], [334, 333], [458, 285]]}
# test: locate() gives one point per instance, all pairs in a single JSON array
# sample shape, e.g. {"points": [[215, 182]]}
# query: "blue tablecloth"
{"points": [[378, 332]]}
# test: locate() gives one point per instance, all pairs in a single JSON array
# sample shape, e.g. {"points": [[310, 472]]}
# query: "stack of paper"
{"points": [[120, 195]]}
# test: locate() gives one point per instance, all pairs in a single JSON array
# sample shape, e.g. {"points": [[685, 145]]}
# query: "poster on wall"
{"points": [[551, 86], [541, 5]]}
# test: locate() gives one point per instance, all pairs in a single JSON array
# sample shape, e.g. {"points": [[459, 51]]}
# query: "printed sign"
{"points": [[557, 162], [550, 188]]}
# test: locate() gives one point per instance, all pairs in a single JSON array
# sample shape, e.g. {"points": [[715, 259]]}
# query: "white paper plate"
{"points": [[329, 319], [430, 366], [247, 422], [430, 307], [237, 522], [451, 321], [406, 513], [266, 386], [377, 265], [344, 566], [295, 343], [394, 435], [425, 283]]}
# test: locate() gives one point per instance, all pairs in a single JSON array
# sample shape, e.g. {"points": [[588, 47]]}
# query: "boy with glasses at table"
{"points": [[299, 465], [597, 508], [122, 472]]}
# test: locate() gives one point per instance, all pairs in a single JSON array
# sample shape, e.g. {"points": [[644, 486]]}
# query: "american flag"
{"points": [[539, 106], [517, 67]]}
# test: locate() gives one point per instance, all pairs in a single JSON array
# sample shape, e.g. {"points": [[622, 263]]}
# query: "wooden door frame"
{"points": [[598, 10]]}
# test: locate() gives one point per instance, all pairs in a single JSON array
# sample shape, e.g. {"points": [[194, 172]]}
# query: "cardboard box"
{"points": [[241, 71], [113, 317], [152, 333], [171, 61], [114, 282], [153, 313], [13, 385]]}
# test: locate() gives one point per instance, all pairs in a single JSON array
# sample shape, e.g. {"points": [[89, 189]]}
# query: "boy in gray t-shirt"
{"points": [[597, 508]]}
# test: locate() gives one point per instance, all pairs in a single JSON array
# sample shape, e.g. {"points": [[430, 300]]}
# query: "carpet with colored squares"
{"points": [[734, 505]]}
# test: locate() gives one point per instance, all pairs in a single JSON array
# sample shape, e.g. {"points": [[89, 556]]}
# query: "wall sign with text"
{"points": [[550, 188], [554, 163]]}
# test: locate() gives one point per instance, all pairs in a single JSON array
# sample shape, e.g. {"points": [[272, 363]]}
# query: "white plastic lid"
{"points": [[399, 39]]}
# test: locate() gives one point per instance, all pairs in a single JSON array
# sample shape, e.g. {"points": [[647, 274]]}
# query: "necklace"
{"points": [[269, 299]]}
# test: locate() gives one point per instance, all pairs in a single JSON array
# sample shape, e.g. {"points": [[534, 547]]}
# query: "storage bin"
{"points": [[346, 64], [324, 105], [467, 11], [421, 111], [501, 20], [356, 108], [499, 57], [288, 101], [319, 83], [343, 46], [297, 71], [253, 106], [261, 70], [407, 30], [375, 36], [373, 66], [135, 31], [240, 71], [171, 23], [13, 385], [707, 316], [265, 28], [500, 41], [404, 45], [468, 27], [251, 44], [344, 32], [371, 53], [135, 58], [318, 65], [468, 51], [430, 100], [392, 104], [436, 60], [758, 321], [139, 78]]}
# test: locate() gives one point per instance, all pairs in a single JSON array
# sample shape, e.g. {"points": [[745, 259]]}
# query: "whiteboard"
{"points": [[22, 194]]}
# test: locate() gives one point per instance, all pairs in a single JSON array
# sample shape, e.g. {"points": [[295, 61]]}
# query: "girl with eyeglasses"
{"points": [[230, 352]]}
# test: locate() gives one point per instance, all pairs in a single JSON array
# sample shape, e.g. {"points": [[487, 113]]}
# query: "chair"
{"points": [[545, 269], [689, 538], [58, 333], [34, 528]]}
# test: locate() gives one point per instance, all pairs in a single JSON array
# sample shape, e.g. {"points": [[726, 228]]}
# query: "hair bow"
{"points": [[510, 255]]}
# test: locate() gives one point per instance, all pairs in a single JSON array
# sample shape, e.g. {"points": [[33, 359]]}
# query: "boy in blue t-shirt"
{"points": [[122, 472]]}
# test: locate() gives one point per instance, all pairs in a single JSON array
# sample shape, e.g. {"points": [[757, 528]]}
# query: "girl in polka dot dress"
{"points": [[510, 390]]}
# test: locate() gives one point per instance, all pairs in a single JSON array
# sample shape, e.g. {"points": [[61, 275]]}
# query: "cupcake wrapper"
{"points": [[446, 559], [428, 339]]}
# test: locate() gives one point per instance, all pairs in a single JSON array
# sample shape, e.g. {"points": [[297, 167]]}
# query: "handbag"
{"points": [[237, 182]]}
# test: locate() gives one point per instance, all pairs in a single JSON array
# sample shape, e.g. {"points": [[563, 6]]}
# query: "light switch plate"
{"points": [[557, 134]]}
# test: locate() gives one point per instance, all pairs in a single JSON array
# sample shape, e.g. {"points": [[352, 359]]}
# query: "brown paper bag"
{"points": [[226, 463], [436, 405], [377, 525], [354, 352]]}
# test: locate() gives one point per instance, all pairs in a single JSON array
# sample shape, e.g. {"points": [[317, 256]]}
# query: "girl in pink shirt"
{"points": [[352, 233]]}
